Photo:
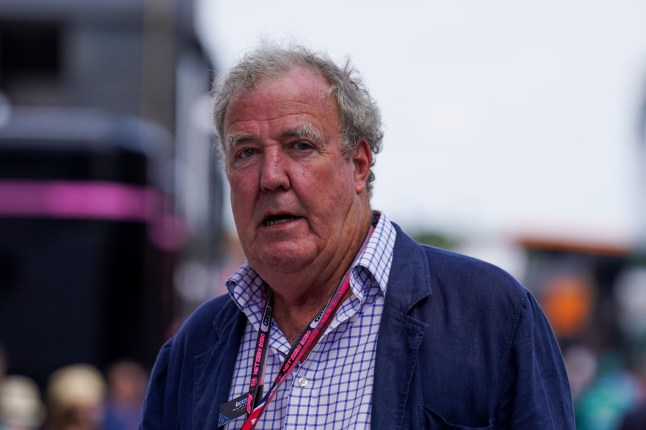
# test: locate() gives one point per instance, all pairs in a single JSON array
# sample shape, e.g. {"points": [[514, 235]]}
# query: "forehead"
{"points": [[296, 95]]}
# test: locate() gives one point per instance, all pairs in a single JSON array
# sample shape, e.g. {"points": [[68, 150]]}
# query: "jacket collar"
{"points": [[410, 277], [400, 333]]}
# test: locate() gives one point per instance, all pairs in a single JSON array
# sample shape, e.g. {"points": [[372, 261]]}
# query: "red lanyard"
{"points": [[301, 348]]}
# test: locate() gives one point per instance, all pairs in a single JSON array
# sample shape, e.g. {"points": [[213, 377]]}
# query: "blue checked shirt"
{"points": [[333, 387]]}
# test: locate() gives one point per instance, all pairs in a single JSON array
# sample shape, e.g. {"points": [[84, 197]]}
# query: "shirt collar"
{"points": [[376, 258]]}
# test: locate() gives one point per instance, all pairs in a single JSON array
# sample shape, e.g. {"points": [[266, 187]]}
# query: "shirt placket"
{"points": [[303, 396]]}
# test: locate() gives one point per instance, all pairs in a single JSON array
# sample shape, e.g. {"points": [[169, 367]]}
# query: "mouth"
{"points": [[278, 219]]}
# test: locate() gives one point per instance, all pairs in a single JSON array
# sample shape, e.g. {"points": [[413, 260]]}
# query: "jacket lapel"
{"points": [[213, 368], [229, 328], [400, 334]]}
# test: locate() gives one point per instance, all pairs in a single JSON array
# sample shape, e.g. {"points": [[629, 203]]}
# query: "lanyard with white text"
{"points": [[300, 349]]}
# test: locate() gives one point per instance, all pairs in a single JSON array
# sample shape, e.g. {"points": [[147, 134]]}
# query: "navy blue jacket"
{"points": [[461, 345]]}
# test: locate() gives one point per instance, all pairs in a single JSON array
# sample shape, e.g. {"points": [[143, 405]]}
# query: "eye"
{"points": [[302, 145], [246, 153]]}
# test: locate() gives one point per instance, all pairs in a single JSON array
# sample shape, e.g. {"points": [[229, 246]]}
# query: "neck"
{"points": [[295, 306], [294, 318]]}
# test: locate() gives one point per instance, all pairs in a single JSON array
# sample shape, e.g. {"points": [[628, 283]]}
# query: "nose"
{"points": [[274, 175]]}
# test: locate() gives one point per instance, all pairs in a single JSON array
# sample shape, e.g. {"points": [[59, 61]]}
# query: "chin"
{"points": [[285, 259]]}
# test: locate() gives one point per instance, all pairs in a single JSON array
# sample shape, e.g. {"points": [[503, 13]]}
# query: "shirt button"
{"points": [[301, 382]]}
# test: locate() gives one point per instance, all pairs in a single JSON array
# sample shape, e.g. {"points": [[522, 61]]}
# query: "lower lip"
{"points": [[282, 225]]}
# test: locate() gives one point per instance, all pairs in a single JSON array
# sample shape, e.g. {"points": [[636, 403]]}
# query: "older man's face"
{"points": [[295, 198]]}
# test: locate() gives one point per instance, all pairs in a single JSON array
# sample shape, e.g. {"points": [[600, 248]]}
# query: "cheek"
{"points": [[240, 194], [242, 183], [330, 192]]}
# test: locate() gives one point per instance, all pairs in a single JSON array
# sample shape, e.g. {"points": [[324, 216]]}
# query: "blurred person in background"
{"points": [[608, 396], [75, 398], [364, 327], [127, 382], [581, 366], [635, 419], [21, 407]]}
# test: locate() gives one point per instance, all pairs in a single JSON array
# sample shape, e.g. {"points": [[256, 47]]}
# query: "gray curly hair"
{"points": [[359, 114]]}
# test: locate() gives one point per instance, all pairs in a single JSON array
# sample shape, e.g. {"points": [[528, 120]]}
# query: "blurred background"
{"points": [[515, 133]]}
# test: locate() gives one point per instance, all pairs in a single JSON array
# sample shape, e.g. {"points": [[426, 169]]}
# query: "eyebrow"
{"points": [[234, 138], [306, 131]]}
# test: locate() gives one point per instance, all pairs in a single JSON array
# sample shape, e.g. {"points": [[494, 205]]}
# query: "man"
{"points": [[340, 320]]}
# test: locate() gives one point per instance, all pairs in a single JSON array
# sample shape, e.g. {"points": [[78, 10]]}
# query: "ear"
{"points": [[362, 160]]}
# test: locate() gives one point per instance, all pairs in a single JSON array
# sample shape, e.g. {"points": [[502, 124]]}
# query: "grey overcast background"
{"points": [[500, 116]]}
